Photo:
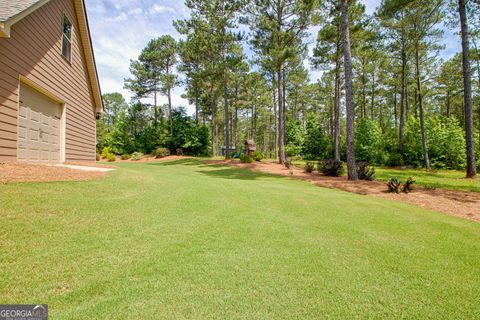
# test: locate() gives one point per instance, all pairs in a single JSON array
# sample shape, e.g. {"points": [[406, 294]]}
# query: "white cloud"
{"points": [[156, 8]]}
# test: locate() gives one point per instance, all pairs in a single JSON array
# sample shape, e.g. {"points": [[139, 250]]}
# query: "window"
{"points": [[67, 39]]}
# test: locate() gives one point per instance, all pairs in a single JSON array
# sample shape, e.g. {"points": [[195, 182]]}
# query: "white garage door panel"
{"points": [[39, 127]]}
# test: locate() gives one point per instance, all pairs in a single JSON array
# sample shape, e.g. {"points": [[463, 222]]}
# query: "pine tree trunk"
{"points": [[275, 116], [235, 123], [372, 107], [403, 98], [467, 84], [225, 99], [395, 115], [426, 159], [212, 107], [336, 116], [169, 94], [347, 54], [155, 111], [197, 103], [281, 118]]}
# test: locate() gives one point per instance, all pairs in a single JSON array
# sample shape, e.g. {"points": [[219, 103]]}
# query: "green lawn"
{"points": [[446, 179], [180, 240]]}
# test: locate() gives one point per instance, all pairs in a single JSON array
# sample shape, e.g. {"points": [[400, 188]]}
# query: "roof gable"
{"points": [[13, 11]]}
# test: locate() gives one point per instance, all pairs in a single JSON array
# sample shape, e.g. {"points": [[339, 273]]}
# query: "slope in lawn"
{"points": [[181, 239]]}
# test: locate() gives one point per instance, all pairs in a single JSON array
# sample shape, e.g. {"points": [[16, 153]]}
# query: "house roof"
{"points": [[9, 8], [13, 11]]}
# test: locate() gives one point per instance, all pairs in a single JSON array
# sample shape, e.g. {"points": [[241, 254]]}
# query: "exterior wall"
{"points": [[34, 52]]}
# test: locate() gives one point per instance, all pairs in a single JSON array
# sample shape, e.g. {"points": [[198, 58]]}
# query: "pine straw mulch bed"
{"points": [[458, 203], [19, 172]]}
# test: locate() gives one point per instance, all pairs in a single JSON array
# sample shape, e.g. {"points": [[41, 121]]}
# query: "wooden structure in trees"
{"points": [[250, 147]]}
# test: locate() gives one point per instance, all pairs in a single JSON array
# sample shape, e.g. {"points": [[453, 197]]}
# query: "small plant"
{"points": [[162, 152], [408, 186], [258, 156], [111, 157], [97, 157], [394, 185], [365, 172], [288, 163], [136, 156], [125, 156], [245, 158], [309, 167], [331, 168], [105, 152]]}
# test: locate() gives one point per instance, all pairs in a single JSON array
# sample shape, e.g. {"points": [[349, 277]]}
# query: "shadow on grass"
{"points": [[180, 162], [224, 172]]}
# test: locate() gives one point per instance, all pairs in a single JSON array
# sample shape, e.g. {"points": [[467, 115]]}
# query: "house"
{"points": [[49, 90]]}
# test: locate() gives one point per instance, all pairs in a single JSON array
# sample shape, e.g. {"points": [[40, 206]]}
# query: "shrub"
{"points": [[245, 158], [445, 140], [408, 186], [309, 167], [136, 156], [365, 172], [125, 156], [106, 152], [331, 168], [162, 152], [97, 157], [111, 157], [258, 156], [317, 144], [294, 138], [394, 185]]}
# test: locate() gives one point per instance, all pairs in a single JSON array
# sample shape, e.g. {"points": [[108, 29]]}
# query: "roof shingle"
{"points": [[10, 8]]}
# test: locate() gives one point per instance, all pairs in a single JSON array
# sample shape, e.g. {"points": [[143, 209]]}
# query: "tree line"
{"points": [[384, 96]]}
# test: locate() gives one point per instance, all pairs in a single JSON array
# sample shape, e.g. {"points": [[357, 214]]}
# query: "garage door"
{"points": [[38, 127]]}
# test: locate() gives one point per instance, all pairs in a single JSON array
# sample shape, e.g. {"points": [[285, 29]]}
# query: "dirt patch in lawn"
{"points": [[18, 172], [458, 203]]}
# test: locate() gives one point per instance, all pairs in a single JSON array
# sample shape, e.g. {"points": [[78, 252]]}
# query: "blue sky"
{"points": [[121, 28]]}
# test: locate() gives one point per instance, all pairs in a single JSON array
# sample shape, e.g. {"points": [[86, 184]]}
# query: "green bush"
{"points": [[125, 156], [258, 156], [97, 157], [309, 167], [331, 168], [244, 158], [111, 157], [162, 152], [136, 156], [294, 138], [445, 142], [365, 172], [394, 185], [316, 145], [106, 152]]}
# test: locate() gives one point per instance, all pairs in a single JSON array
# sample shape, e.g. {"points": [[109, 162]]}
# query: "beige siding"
{"points": [[34, 51]]}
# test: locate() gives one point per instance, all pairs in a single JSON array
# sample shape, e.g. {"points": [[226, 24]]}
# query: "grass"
{"points": [[183, 240], [445, 179]]}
